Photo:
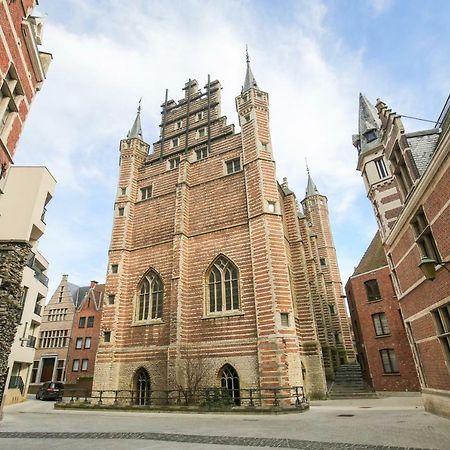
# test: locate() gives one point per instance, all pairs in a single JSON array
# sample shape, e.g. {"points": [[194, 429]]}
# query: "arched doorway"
{"points": [[229, 380], [142, 387]]}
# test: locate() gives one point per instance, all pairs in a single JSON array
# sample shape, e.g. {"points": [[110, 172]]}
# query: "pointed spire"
{"points": [[136, 129], [368, 127], [311, 188], [250, 81]]}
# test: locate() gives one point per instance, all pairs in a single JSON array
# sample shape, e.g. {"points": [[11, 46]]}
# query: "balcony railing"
{"points": [[31, 342], [37, 309], [38, 274]]}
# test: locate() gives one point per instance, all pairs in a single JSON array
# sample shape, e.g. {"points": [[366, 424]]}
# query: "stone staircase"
{"points": [[349, 383]]}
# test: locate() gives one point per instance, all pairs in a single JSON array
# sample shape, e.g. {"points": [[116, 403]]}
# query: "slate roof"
{"points": [[368, 120], [136, 129], [311, 188], [374, 257], [422, 145], [249, 78]]}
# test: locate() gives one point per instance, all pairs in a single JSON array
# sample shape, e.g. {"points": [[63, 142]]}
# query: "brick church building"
{"points": [[212, 258]]}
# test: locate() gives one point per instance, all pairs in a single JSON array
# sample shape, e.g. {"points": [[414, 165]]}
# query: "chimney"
{"points": [[65, 277], [93, 284]]}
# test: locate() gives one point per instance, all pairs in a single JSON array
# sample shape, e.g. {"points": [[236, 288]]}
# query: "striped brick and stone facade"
{"points": [[223, 257]]}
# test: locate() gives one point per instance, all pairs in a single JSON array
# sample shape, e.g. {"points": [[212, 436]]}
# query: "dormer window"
{"points": [[201, 133], [199, 116], [370, 135]]}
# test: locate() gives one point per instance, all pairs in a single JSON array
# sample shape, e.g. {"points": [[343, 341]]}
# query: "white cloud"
{"points": [[108, 54], [380, 6]]}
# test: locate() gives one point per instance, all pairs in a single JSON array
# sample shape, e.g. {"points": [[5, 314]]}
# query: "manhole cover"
{"points": [[345, 415]]}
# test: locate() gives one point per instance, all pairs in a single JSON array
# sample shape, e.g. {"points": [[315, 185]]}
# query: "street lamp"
{"points": [[428, 267]]}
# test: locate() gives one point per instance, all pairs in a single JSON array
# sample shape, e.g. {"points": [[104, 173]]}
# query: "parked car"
{"points": [[50, 391]]}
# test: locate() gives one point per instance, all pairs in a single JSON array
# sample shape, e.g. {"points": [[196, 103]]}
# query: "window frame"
{"points": [[201, 153], [441, 317], [227, 299], [82, 322], [233, 166], [424, 235], [370, 295], [78, 343], [381, 168], [146, 192], [380, 324], [83, 367], [174, 163], [392, 367], [149, 303], [76, 362], [90, 322], [87, 342]]}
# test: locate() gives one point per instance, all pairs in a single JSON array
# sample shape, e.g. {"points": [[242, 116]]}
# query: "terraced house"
{"points": [[212, 259]]}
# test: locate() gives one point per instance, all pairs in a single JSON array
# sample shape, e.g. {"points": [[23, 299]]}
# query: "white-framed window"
{"points": [[223, 286], [79, 343], [178, 125], [232, 166], [271, 206], [201, 133], [175, 142], [424, 236], [284, 317], [201, 153], [149, 303], [199, 116], [76, 365], [442, 322], [381, 168], [121, 211], [174, 163], [146, 192], [84, 364], [11, 93], [380, 324], [87, 342]]}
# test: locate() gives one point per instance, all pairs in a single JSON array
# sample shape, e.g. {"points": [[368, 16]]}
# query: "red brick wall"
{"points": [[369, 345]]}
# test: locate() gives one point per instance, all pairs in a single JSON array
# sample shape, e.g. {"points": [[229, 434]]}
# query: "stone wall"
{"points": [[13, 256]]}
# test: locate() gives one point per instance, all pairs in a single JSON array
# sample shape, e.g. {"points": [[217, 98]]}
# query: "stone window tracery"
{"points": [[150, 298], [223, 286]]}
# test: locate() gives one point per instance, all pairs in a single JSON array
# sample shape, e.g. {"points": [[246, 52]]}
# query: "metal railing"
{"points": [[209, 398]]}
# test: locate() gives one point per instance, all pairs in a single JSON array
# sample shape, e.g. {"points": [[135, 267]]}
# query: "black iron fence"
{"points": [[289, 397]]}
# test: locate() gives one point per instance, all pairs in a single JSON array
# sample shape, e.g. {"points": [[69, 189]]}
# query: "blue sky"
{"points": [[313, 58]]}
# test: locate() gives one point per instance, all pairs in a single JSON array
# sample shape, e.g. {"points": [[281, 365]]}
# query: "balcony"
{"points": [[37, 309], [31, 341], [38, 274]]}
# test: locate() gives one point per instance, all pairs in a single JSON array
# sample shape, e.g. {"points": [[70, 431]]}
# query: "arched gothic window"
{"points": [[150, 298], [223, 286], [229, 380], [142, 387]]}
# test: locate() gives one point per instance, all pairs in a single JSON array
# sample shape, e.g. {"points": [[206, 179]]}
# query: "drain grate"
{"points": [[345, 415]]}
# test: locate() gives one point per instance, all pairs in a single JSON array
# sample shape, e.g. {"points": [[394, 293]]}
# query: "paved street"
{"points": [[372, 423]]}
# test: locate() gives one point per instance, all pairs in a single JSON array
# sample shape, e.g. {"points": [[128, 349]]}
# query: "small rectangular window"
{"points": [[381, 168], [338, 337], [201, 133], [247, 118], [201, 153], [76, 365], [175, 142], [233, 166], [178, 125], [199, 116], [380, 324], [114, 268], [123, 190], [84, 364], [174, 163], [372, 290], [271, 207], [34, 371], [107, 336], [121, 212], [424, 236], [79, 343], [323, 262], [87, 342], [82, 322], [111, 299], [389, 361], [332, 307], [90, 322], [284, 319], [146, 192]]}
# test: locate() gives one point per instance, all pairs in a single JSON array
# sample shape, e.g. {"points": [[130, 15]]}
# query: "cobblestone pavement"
{"points": [[200, 439], [389, 423]]}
